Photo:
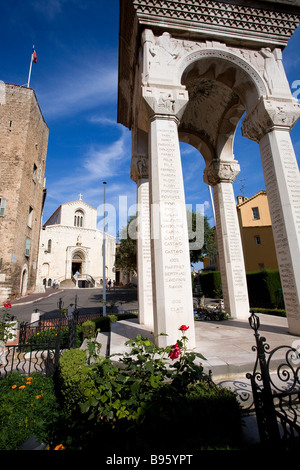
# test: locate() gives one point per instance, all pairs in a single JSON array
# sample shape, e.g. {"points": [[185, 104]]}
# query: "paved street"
{"points": [[88, 301]]}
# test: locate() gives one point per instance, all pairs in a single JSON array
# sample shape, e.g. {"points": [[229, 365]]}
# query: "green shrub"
{"points": [[88, 329], [113, 318], [140, 403], [270, 311], [48, 337], [264, 288], [211, 284], [73, 373], [104, 323]]}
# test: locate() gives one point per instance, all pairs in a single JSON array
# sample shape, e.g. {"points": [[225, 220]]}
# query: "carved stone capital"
{"points": [[269, 114], [165, 102], [221, 172], [139, 167]]}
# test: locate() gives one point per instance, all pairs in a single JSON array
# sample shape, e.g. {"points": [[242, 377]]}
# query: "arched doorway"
{"points": [[78, 260], [24, 280]]}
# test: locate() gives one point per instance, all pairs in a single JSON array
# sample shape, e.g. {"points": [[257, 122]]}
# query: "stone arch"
{"points": [[78, 261], [220, 60], [223, 85]]}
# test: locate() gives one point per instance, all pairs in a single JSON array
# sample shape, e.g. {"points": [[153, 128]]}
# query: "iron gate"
{"points": [[275, 383]]}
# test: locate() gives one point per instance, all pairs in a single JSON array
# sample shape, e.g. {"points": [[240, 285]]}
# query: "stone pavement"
{"points": [[226, 345]]}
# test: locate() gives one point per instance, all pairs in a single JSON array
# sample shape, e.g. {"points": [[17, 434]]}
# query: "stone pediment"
{"points": [[78, 203]]}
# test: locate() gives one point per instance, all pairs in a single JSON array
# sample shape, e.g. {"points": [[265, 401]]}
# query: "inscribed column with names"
{"points": [[145, 300], [282, 180], [172, 290], [232, 267]]}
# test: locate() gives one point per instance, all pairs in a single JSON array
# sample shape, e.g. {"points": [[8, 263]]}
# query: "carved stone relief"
{"points": [[221, 172], [139, 167], [166, 59], [169, 102], [269, 114]]}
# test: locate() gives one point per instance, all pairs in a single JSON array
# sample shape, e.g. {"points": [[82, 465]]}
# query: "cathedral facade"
{"points": [[71, 248]]}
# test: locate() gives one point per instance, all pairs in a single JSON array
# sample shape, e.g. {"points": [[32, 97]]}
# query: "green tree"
{"points": [[199, 224], [126, 252]]}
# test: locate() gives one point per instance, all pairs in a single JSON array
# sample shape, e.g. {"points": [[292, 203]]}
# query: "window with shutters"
{"points": [[2, 206], [27, 247]]}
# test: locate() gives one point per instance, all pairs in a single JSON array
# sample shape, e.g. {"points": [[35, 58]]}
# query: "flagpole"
{"points": [[29, 75], [32, 59]]}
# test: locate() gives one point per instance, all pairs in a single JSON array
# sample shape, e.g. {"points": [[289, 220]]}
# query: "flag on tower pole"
{"points": [[33, 59]]}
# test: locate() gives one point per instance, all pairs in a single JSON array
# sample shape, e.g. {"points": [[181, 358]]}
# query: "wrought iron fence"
{"points": [[276, 395], [32, 354], [29, 359]]}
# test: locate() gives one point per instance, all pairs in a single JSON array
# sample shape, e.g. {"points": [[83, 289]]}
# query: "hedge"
{"points": [[264, 287], [210, 283], [73, 374]]}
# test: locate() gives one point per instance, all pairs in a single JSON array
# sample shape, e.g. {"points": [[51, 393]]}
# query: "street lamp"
{"points": [[104, 274]]}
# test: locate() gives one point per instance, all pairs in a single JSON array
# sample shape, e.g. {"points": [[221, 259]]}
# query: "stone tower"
{"points": [[189, 70], [23, 150]]}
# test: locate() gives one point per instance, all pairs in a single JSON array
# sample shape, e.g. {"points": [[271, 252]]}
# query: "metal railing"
{"points": [[29, 359], [276, 395]]}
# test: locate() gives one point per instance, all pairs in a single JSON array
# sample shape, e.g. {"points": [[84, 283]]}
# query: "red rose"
{"points": [[183, 328], [7, 305], [175, 352]]}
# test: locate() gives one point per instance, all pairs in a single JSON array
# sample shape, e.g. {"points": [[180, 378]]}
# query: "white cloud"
{"points": [[78, 89], [102, 162], [106, 161]]}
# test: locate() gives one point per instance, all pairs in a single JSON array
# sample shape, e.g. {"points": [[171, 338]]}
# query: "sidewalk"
{"points": [[226, 346], [30, 298]]}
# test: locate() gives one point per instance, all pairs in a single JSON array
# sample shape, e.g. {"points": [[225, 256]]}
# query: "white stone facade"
{"points": [[70, 243]]}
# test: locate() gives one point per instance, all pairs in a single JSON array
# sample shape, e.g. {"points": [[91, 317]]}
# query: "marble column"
{"points": [[221, 175], [269, 124], [171, 269], [139, 173]]}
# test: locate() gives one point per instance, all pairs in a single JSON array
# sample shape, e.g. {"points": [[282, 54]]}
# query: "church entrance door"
{"points": [[76, 267], [77, 263]]}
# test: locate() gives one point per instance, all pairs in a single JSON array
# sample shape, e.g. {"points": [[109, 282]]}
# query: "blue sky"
{"points": [[75, 81]]}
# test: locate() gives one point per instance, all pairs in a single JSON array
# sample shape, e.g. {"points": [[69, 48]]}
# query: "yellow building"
{"points": [[256, 232]]}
